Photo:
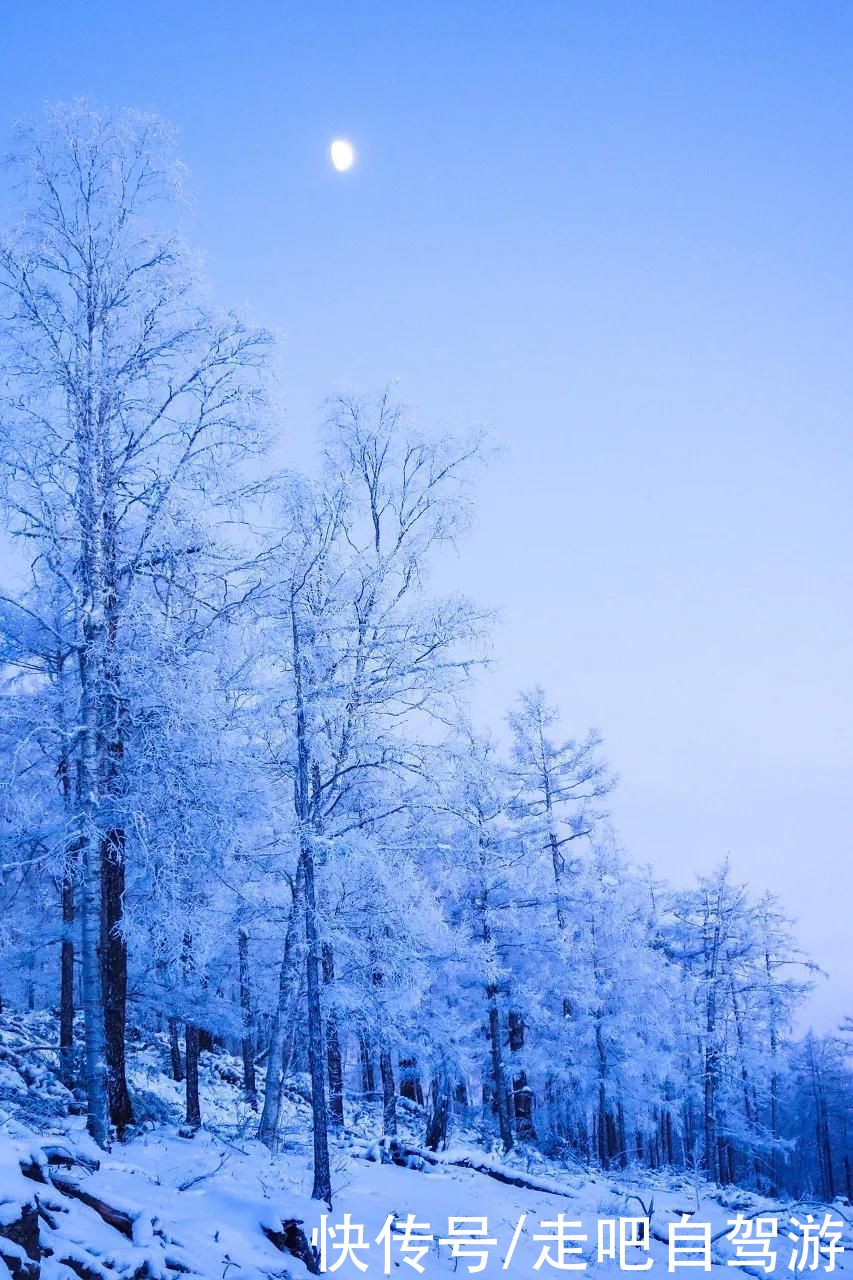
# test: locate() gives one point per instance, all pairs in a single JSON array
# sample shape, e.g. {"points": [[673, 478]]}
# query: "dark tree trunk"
{"points": [[774, 1077], [622, 1141], [282, 1038], [114, 977], [368, 1073], [605, 1127], [712, 1057], [191, 1056], [601, 1127], [748, 1093], [501, 1094], [322, 1189], [690, 1136], [175, 1051], [609, 1141], [436, 1135], [66, 986], [66, 961], [522, 1094], [410, 1081], [501, 1099], [113, 849], [824, 1165], [247, 1042], [389, 1094], [668, 1147], [333, 1048]]}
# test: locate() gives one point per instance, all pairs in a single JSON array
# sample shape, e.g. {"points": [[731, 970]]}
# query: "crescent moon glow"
{"points": [[342, 154]]}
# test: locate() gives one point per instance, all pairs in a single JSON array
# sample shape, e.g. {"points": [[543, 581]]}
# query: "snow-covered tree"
{"points": [[126, 403], [362, 660]]}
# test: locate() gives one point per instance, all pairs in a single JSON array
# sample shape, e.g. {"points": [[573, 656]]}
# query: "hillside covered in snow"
{"points": [[215, 1202]]}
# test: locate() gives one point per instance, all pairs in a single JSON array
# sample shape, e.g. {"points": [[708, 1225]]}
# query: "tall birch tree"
{"points": [[125, 401]]}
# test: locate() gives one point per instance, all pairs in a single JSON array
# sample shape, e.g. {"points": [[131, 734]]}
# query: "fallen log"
{"points": [[511, 1179], [404, 1154], [60, 1157], [120, 1219], [51, 1166]]}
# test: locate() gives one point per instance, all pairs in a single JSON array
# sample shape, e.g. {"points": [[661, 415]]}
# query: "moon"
{"points": [[342, 154]]}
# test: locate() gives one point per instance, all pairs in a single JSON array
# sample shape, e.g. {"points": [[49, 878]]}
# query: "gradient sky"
{"points": [[619, 235]]}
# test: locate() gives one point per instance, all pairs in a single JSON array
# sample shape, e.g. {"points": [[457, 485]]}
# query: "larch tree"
{"points": [[488, 857]]}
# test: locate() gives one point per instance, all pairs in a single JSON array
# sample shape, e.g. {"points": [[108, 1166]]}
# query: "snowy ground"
{"points": [[216, 1204]]}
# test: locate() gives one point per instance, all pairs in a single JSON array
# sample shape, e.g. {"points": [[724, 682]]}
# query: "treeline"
{"points": [[242, 798]]}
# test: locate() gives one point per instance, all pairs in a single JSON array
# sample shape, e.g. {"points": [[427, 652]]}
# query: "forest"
{"points": [[244, 800]]}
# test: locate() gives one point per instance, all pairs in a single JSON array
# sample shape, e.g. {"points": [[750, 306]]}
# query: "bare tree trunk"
{"points": [[712, 1167], [91, 635], [114, 956], [66, 964], [712, 1059], [522, 1094], [193, 1118], [389, 1093], [748, 1110], [90, 903], [113, 843], [93, 1007], [605, 1121], [89, 803], [436, 1134], [774, 1074], [501, 1097], [66, 985], [248, 1037], [322, 1189], [282, 1030], [333, 1048], [368, 1074], [175, 1051], [621, 1139], [501, 1091], [824, 1144]]}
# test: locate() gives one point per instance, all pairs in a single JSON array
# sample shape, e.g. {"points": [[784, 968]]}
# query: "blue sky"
{"points": [[619, 235]]}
